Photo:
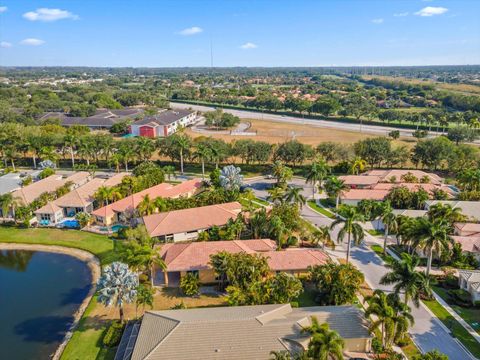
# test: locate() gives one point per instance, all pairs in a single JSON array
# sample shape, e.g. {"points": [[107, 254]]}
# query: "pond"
{"points": [[39, 293]]}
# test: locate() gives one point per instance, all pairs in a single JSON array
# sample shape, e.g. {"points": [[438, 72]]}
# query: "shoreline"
{"points": [[93, 264]]}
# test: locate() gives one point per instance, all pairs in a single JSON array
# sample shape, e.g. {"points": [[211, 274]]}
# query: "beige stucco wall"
{"points": [[358, 345]]}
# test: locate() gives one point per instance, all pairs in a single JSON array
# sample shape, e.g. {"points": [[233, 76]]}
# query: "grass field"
{"points": [[313, 205]]}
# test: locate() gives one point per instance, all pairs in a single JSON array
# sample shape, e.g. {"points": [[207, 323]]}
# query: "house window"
{"points": [[45, 217]]}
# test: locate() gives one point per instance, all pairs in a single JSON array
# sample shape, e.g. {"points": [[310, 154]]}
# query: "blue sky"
{"points": [[243, 33]]}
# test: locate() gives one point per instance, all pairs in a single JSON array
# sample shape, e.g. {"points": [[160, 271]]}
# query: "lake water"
{"points": [[39, 293]]}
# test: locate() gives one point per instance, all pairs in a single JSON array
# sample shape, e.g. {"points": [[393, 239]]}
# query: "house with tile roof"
{"points": [[123, 210], [186, 224], [468, 236], [163, 124], [471, 209], [469, 280], [181, 258], [240, 332], [78, 200]]}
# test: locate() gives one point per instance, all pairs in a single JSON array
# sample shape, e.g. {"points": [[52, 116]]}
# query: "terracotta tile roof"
{"points": [[196, 255], [31, 192], [469, 243], [81, 196], [413, 187], [49, 208], [361, 194], [360, 180], [386, 175], [467, 229], [179, 221], [131, 202]]}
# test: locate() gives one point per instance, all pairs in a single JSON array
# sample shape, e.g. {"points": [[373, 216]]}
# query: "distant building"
{"points": [[103, 118], [163, 124], [239, 332]]}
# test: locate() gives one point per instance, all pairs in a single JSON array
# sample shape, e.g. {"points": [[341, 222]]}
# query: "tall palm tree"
{"points": [[405, 278], [277, 230], [8, 202], [445, 211], [349, 220], [276, 195], [144, 297], [335, 187], [433, 235], [379, 306], [144, 147], [182, 143], [316, 174], [70, 141], [202, 153], [116, 159], [127, 153], [117, 286], [259, 223], [389, 220], [325, 344], [146, 206], [282, 173], [294, 195], [142, 257]]}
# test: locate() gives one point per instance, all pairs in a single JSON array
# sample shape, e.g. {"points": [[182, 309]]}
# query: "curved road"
{"points": [[245, 114], [428, 332]]}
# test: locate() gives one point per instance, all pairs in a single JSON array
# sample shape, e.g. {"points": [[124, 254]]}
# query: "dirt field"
{"points": [[274, 133]]}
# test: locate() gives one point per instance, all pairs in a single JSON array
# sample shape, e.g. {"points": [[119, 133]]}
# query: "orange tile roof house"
{"points": [[123, 209], [186, 224], [468, 236], [29, 193], [78, 200], [181, 258], [396, 174]]}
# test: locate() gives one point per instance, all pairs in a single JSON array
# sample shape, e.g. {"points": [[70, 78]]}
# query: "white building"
{"points": [[164, 123]]}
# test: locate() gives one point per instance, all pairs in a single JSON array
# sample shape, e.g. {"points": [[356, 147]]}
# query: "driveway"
{"points": [[428, 332]]}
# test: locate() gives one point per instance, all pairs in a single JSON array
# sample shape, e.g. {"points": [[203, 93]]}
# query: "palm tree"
{"points": [[316, 173], [324, 343], [322, 234], [117, 286], [334, 188], [282, 173], [85, 148], [445, 211], [202, 152], [142, 257], [358, 165], [277, 229], [378, 305], [7, 202], [144, 147], [127, 152], [182, 143], [258, 223], [116, 160], [350, 220], [406, 278], [144, 297], [433, 235], [280, 355], [276, 195], [146, 206], [389, 220], [70, 141], [294, 195]]}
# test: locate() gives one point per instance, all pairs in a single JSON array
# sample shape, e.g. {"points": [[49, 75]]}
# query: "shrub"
{"points": [[190, 284], [113, 335], [294, 304], [46, 173], [461, 297]]}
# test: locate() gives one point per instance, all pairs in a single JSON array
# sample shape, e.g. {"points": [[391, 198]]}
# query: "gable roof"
{"points": [[360, 179], [102, 118], [31, 192], [364, 194], [469, 243], [196, 255], [472, 277], [166, 117], [238, 332], [166, 190], [81, 196], [179, 221], [387, 175], [467, 229]]}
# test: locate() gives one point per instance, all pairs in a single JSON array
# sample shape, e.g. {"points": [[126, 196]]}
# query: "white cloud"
{"points": [[191, 31], [32, 42], [5, 44], [47, 15], [3, 9], [401, 14], [377, 21], [248, 45], [431, 11]]}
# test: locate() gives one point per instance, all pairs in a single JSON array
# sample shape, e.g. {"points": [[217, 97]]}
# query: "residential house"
{"points": [[123, 210], [181, 258], [186, 224], [471, 209], [469, 280], [164, 123], [26, 195], [78, 200], [239, 332], [395, 175], [468, 236], [103, 118]]}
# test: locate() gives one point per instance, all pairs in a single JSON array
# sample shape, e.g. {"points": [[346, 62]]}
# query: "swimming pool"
{"points": [[117, 227], [70, 224]]}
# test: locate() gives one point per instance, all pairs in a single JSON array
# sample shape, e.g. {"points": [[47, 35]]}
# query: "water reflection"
{"points": [[15, 259]]}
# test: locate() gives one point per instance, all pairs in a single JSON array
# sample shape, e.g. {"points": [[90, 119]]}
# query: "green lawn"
{"points": [[471, 315], [374, 232], [313, 205], [86, 340], [100, 245], [458, 330]]}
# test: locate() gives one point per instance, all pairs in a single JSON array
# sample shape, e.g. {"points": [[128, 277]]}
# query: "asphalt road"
{"points": [[244, 114], [428, 332]]}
